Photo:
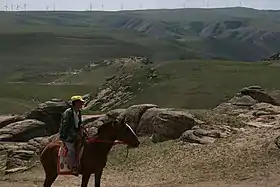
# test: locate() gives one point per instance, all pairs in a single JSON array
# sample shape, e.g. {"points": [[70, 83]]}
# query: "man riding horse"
{"points": [[71, 132], [95, 149]]}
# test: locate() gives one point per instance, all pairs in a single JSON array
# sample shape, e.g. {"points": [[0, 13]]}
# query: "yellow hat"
{"points": [[77, 98]]}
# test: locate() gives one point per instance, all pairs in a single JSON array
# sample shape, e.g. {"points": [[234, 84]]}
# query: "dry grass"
{"points": [[240, 157], [215, 119]]}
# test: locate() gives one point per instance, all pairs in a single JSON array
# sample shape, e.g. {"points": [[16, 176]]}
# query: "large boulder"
{"points": [[90, 118], [10, 119], [258, 94], [23, 130], [166, 124], [134, 113], [50, 113], [109, 117], [243, 100]]}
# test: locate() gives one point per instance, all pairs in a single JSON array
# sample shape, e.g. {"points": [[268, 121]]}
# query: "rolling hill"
{"points": [[65, 40], [196, 52]]}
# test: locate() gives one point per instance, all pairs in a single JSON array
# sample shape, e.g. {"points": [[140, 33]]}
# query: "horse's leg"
{"points": [[85, 180], [97, 177], [50, 178]]}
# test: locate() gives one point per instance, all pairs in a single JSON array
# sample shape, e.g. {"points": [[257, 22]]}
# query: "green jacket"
{"points": [[68, 131]]}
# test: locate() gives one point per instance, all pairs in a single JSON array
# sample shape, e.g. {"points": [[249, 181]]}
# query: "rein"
{"points": [[96, 140]]}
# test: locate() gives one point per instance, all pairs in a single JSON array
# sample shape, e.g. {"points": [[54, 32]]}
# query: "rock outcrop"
{"points": [[49, 113], [246, 98], [262, 115], [23, 137], [259, 94], [113, 93], [254, 106], [117, 88], [166, 124], [134, 113], [201, 136], [22, 131], [21, 156], [10, 119]]}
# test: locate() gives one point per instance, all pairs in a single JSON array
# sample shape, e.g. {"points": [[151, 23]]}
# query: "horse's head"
{"points": [[119, 130]]}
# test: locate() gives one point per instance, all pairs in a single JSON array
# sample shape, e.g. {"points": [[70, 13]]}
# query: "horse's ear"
{"points": [[120, 120]]}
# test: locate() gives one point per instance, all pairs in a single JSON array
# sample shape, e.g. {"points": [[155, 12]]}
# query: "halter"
{"points": [[116, 142]]}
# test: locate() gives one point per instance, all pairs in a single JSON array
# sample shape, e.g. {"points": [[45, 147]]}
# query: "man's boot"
{"points": [[75, 171]]}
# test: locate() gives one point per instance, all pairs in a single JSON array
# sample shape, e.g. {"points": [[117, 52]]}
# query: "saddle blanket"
{"points": [[63, 167]]}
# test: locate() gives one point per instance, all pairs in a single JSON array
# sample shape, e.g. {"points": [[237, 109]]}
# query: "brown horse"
{"points": [[94, 156]]}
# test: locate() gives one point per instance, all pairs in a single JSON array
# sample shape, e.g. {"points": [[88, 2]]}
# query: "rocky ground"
{"points": [[234, 144]]}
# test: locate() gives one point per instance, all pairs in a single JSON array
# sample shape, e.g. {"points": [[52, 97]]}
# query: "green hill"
{"points": [[191, 84], [46, 54], [65, 40]]}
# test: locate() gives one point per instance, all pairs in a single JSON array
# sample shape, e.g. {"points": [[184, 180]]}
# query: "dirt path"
{"points": [[35, 177], [72, 182]]}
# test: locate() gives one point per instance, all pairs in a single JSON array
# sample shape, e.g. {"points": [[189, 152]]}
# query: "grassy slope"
{"points": [[184, 84], [237, 158], [244, 156], [64, 40], [202, 84]]}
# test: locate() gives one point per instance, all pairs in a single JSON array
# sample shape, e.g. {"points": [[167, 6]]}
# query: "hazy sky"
{"points": [[136, 4]]}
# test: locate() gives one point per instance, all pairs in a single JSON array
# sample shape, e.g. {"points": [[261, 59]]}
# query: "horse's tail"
{"points": [[42, 150]]}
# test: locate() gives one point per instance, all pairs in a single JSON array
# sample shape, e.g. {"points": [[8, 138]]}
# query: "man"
{"points": [[70, 130]]}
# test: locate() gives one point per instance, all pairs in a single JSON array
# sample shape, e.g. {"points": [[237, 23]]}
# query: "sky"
{"points": [[112, 5]]}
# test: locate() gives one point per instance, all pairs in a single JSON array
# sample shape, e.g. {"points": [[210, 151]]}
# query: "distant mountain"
{"points": [[59, 41]]}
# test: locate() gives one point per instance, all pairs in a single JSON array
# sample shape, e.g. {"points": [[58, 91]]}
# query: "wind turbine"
{"points": [[207, 3], [6, 7], [122, 6], [102, 7], [24, 6], [47, 8], [17, 7], [12, 7], [185, 4], [90, 7], [226, 3]]}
